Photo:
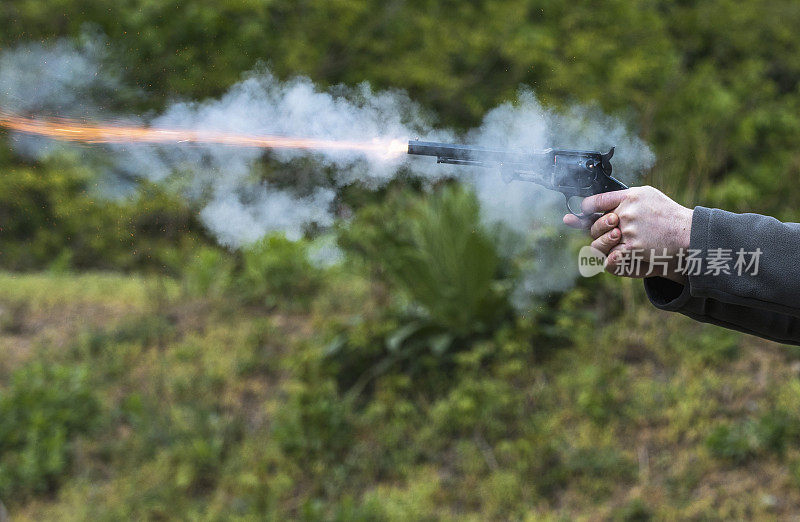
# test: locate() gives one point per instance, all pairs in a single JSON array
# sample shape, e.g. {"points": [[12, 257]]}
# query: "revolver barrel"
{"points": [[466, 154], [574, 173]]}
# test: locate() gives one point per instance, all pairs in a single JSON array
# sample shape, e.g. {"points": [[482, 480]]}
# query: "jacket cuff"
{"points": [[701, 221], [666, 294]]}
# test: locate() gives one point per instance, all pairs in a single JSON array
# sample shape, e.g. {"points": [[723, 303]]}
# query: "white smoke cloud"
{"points": [[68, 80], [60, 77], [237, 222], [531, 210]]}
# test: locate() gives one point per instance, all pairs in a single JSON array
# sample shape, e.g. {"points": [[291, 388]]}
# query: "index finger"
{"points": [[604, 202], [571, 220]]}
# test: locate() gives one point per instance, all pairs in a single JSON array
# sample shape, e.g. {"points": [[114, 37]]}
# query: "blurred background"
{"points": [[147, 372]]}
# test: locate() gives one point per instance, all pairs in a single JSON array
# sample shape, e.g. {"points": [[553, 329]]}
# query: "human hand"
{"points": [[640, 219]]}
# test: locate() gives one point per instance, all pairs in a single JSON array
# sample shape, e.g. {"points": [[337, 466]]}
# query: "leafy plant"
{"points": [[41, 412], [736, 443], [278, 271], [445, 284], [435, 251], [315, 427], [740, 441], [209, 272], [53, 216]]}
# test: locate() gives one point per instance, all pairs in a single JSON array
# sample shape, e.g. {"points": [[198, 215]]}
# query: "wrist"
{"points": [[684, 228]]}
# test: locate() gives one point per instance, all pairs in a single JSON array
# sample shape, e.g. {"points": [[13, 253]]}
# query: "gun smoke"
{"points": [[68, 80]]}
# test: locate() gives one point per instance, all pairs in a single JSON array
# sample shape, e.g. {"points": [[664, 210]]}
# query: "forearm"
{"points": [[763, 300], [773, 285], [674, 297]]}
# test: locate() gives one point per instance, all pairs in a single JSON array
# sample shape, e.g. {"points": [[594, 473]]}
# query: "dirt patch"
{"points": [[23, 329]]}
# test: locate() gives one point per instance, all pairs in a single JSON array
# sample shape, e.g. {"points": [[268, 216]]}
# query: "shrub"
{"points": [[740, 441], [41, 412], [54, 216], [277, 270], [451, 264], [441, 284], [736, 443], [209, 272], [634, 511], [436, 252], [313, 426]]}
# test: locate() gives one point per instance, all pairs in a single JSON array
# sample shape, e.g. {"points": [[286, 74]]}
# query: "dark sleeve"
{"points": [[764, 303]]}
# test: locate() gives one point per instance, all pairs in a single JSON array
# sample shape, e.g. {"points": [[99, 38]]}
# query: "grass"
{"points": [[46, 290], [207, 411]]}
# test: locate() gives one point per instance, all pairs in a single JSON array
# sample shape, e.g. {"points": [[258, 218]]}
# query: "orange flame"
{"points": [[73, 130]]}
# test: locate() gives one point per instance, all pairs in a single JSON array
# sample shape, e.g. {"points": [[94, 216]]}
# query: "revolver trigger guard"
{"points": [[580, 215]]}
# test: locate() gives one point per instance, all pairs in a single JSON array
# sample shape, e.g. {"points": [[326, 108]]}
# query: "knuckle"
{"points": [[652, 191]]}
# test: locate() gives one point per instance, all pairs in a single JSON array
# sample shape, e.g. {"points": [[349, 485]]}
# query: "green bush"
{"points": [[736, 443], [314, 425], [634, 511], [740, 441], [434, 250], [277, 271], [449, 265], [441, 282], [53, 216], [42, 411], [209, 272]]}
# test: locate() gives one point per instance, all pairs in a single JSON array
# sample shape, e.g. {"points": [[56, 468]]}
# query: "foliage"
{"points": [[275, 270], [52, 217], [42, 411], [401, 385], [444, 277], [210, 414], [209, 272], [712, 86], [741, 441], [436, 252]]}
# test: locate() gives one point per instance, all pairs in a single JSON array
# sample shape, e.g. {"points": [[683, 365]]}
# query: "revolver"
{"points": [[575, 173]]}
